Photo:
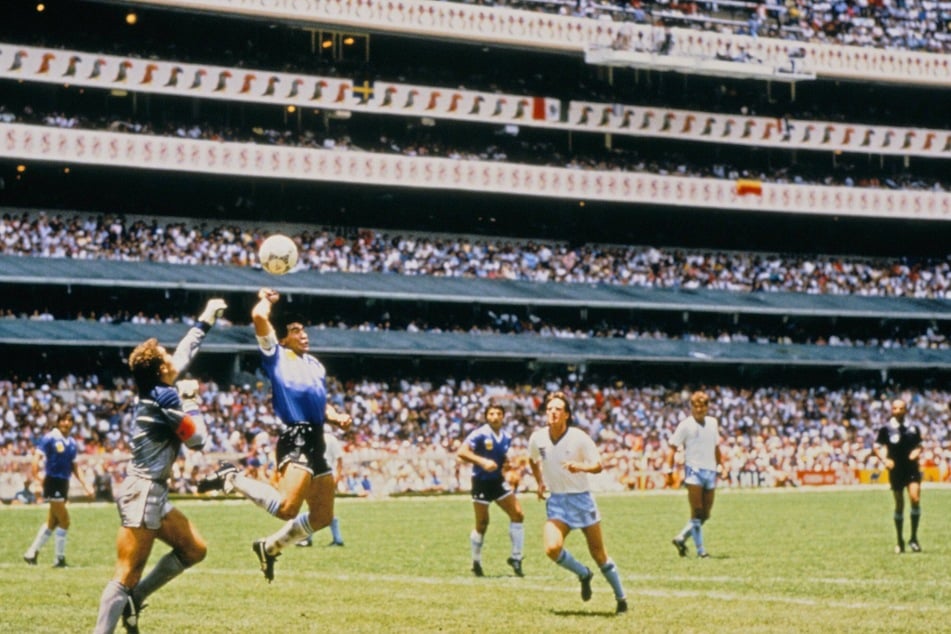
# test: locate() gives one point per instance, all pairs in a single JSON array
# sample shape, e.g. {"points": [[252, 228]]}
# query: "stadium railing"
{"points": [[566, 34], [416, 345]]}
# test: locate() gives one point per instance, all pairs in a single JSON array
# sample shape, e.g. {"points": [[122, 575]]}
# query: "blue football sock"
{"points": [[565, 560]]}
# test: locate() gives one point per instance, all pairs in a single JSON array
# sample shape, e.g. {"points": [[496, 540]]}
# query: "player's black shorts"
{"points": [[56, 488], [899, 479], [489, 490], [303, 444]]}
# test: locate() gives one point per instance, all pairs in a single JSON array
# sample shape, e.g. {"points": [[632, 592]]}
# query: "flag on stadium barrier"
{"points": [[746, 186], [546, 109]]}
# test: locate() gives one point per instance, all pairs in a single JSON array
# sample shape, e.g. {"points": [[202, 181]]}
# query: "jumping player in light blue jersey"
{"points": [[59, 450], [299, 391], [163, 422], [486, 449]]}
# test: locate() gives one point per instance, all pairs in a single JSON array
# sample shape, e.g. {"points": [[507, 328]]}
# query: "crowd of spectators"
{"points": [[370, 251], [917, 25], [406, 431]]}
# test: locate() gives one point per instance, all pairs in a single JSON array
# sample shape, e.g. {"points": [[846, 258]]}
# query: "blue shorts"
{"points": [[575, 510], [707, 478]]}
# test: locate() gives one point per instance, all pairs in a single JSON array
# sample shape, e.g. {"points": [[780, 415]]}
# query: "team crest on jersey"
{"points": [[60, 447], [542, 451], [894, 438], [489, 445]]}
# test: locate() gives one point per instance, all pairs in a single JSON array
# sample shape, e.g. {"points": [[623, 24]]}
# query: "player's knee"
{"points": [[482, 526], [553, 551], [518, 517], [194, 554], [288, 510]]}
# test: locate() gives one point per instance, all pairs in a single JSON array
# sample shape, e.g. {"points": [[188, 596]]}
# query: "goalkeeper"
{"points": [[163, 421]]}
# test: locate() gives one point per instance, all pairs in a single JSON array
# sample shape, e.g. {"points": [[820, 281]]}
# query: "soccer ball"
{"points": [[278, 254]]}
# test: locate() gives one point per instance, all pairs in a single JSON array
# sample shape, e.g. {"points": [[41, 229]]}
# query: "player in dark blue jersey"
{"points": [[163, 422], [486, 449], [299, 396], [898, 446], [59, 451]]}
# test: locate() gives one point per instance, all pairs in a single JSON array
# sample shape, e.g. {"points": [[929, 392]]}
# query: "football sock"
{"points": [[682, 535], [111, 603], [167, 568], [42, 536], [292, 532], [565, 560], [899, 522], [915, 518], [335, 530], [697, 534], [261, 493], [59, 542], [475, 541], [517, 535], [609, 570]]}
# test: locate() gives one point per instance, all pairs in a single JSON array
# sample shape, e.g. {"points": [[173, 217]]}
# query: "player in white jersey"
{"points": [[561, 457], [164, 420], [699, 435]]}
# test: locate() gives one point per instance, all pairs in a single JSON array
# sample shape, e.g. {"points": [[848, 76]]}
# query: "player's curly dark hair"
{"points": [[146, 364], [280, 318]]}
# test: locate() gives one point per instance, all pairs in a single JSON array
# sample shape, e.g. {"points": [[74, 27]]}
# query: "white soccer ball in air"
{"points": [[278, 254]]}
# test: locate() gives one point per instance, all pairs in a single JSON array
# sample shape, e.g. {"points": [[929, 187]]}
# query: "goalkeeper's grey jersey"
{"points": [[157, 415], [154, 443]]}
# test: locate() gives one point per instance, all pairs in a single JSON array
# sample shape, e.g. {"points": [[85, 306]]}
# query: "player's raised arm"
{"points": [[187, 348], [261, 314]]}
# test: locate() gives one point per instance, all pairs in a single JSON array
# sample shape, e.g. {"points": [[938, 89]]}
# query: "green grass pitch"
{"points": [[783, 561]]}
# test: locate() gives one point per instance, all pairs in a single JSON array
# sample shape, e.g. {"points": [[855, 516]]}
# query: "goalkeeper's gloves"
{"points": [[213, 310], [191, 429], [188, 392]]}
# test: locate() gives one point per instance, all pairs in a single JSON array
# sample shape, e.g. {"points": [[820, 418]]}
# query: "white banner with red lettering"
{"points": [[114, 149], [792, 134], [283, 89], [513, 27]]}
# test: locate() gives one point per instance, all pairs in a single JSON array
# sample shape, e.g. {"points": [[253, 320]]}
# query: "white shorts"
{"points": [[575, 510], [707, 478], [142, 503]]}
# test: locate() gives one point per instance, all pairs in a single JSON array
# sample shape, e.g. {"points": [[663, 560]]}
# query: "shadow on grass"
{"points": [[602, 615]]}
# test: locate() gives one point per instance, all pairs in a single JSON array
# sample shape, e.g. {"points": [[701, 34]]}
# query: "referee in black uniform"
{"points": [[898, 446]]}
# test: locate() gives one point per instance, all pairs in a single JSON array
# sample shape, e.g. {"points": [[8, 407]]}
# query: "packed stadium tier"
{"points": [[407, 429]]}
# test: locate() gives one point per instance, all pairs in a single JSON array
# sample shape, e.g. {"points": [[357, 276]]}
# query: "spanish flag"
{"points": [[746, 186]]}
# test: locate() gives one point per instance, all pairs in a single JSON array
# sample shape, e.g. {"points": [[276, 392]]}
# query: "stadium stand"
{"points": [[713, 248]]}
